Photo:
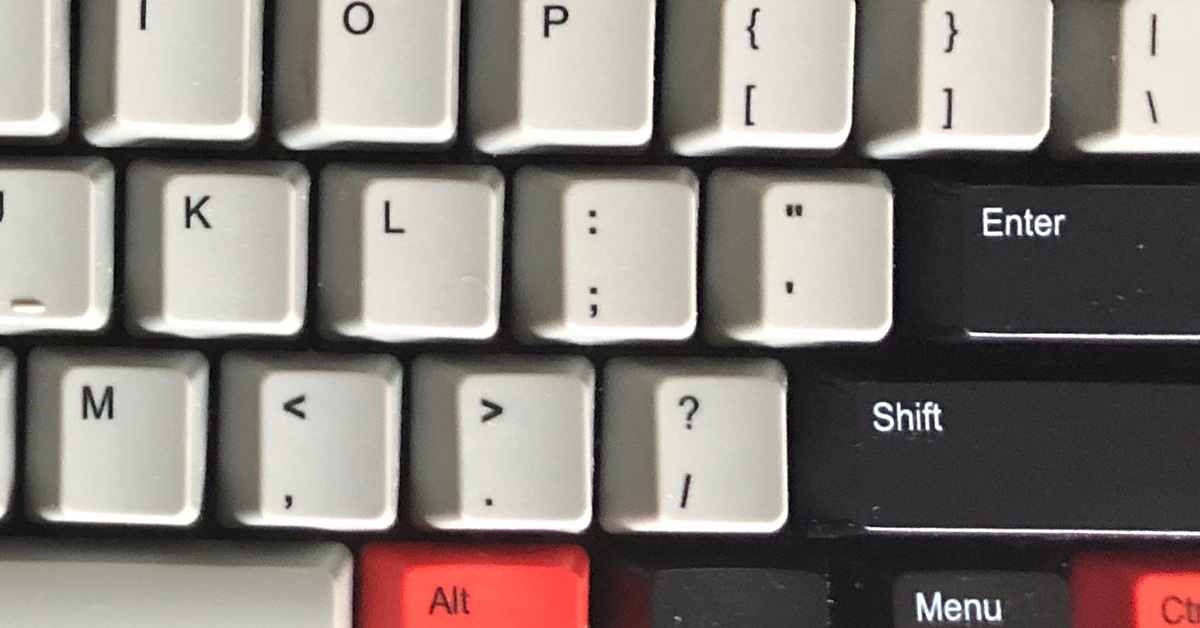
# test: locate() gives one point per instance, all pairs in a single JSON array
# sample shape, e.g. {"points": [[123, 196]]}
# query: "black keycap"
{"points": [[1067, 262], [713, 597], [995, 457], [973, 598]]}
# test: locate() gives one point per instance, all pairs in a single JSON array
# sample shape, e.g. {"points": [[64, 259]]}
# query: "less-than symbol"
{"points": [[687, 488], [287, 502], [493, 410], [292, 406]]}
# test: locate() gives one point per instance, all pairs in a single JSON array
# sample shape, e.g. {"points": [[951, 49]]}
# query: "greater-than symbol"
{"points": [[493, 410], [292, 406]]}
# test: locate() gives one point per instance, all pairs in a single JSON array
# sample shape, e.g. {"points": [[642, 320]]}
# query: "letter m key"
{"points": [[95, 408]]}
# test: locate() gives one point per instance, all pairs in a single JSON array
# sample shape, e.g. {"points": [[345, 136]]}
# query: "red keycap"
{"points": [[1135, 590], [411, 585]]}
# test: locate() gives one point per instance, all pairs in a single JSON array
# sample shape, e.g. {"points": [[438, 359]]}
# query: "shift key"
{"points": [[997, 457], [1062, 262]]}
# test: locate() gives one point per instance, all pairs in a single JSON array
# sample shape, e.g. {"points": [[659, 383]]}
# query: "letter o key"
{"points": [[350, 28]]}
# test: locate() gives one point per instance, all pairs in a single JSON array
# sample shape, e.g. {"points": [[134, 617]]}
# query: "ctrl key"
{"points": [[1151, 590], [462, 586]]}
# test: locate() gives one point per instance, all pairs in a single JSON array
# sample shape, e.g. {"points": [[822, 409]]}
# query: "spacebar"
{"points": [[46, 584], [998, 457]]}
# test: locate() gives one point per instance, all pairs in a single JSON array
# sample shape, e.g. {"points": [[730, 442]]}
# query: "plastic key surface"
{"points": [[1010, 598], [58, 584], [432, 586], [1135, 590], [708, 597], [1000, 457], [1068, 262]]}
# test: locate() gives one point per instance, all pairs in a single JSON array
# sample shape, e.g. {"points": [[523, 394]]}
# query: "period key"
{"points": [[1054, 262], [419, 585]]}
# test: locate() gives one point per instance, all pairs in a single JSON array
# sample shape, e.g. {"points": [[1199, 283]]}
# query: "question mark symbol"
{"points": [[683, 401]]}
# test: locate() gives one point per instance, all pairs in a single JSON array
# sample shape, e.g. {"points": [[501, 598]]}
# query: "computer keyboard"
{"points": [[672, 314]]}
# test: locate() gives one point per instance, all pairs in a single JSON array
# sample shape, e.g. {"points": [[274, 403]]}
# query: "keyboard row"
{"points": [[505, 443], [771, 75], [419, 585], [599, 255]]}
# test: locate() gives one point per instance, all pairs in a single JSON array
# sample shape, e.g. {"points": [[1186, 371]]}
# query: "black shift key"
{"points": [[997, 457], [1004, 262]]}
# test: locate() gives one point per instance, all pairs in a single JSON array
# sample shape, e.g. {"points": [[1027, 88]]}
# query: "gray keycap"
{"points": [[502, 443], [116, 436], [694, 446], [45, 584]]}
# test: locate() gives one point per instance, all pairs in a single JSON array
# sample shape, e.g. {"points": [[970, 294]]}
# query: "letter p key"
{"points": [[553, 15]]}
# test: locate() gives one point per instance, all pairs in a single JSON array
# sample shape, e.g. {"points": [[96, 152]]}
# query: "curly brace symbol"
{"points": [[750, 29], [953, 32]]}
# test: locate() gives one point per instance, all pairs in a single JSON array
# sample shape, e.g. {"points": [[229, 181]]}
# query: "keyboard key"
{"points": [[576, 74], [53, 584], [1140, 590], [756, 76], [8, 421], [694, 446], [116, 436], [163, 71], [970, 598], [217, 249], [56, 244], [937, 76], [502, 443], [310, 440], [704, 597], [1122, 72], [604, 256], [360, 73], [411, 254], [432, 586], [798, 259], [1095, 262], [35, 43], [902, 455]]}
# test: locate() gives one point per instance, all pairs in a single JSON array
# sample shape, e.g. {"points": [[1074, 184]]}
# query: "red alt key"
{"points": [[1133, 590], [412, 585]]}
